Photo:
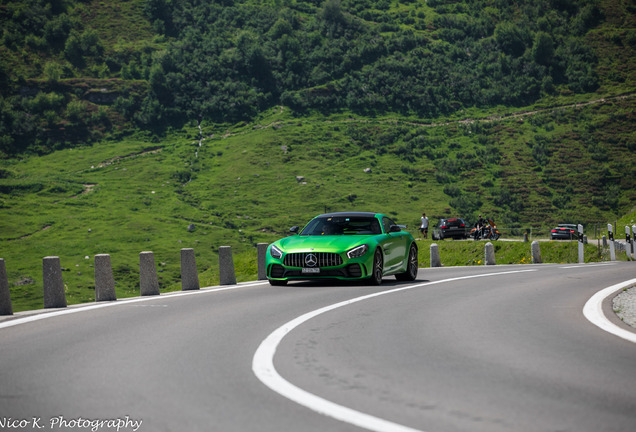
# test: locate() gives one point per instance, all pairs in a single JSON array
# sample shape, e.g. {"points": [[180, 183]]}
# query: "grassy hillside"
{"points": [[132, 126], [247, 184]]}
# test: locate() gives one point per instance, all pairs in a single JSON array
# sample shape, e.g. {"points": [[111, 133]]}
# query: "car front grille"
{"points": [[322, 259]]}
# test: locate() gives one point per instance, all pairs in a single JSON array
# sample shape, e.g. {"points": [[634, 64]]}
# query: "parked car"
{"points": [[564, 232], [450, 228], [345, 246]]}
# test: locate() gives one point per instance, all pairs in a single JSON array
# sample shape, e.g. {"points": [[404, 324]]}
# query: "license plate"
{"points": [[311, 270]]}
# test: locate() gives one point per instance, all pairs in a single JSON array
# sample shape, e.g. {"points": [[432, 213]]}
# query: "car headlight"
{"points": [[275, 252], [357, 251]]}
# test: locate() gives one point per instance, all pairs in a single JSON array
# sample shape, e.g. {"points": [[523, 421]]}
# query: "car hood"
{"points": [[327, 243]]}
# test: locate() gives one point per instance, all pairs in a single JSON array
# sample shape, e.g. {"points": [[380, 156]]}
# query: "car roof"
{"points": [[350, 214]]}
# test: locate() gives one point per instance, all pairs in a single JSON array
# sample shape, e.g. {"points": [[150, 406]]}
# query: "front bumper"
{"points": [[349, 271], [327, 267]]}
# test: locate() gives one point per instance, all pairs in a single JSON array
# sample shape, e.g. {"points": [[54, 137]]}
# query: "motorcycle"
{"points": [[486, 232]]}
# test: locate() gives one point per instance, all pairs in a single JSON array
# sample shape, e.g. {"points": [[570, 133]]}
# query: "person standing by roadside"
{"points": [[424, 226]]}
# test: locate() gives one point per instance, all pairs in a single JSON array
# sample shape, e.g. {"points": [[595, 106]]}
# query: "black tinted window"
{"points": [[386, 224], [342, 226]]}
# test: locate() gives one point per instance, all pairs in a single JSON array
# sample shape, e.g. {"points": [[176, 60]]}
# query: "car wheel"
{"points": [[378, 268], [411, 267], [275, 282]]}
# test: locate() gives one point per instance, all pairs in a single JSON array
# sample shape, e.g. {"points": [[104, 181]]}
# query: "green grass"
{"points": [[628, 220], [248, 183], [100, 203]]}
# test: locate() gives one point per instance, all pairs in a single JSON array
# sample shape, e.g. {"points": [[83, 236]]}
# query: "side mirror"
{"points": [[395, 228], [294, 229]]}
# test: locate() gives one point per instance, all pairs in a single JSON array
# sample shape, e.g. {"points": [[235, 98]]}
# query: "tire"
{"points": [[378, 268], [411, 267], [275, 282]]}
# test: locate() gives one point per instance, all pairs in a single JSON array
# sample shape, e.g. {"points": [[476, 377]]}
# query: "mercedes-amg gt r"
{"points": [[345, 246]]}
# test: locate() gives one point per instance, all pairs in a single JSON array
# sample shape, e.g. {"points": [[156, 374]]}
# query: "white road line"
{"points": [[263, 366], [588, 265], [593, 311], [84, 308]]}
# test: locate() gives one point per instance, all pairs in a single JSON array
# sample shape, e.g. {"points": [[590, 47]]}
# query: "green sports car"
{"points": [[346, 246]]}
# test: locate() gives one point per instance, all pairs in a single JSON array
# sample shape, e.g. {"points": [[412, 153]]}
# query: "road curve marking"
{"points": [[588, 265], [593, 311], [263, 366], [99, 305]]}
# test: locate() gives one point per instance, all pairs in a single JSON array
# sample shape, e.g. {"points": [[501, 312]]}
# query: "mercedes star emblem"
{"points": [[311, 260]]}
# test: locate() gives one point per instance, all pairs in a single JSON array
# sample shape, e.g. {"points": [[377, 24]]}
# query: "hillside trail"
{"points": [[487, 119], [539, 111], [521, 114]]}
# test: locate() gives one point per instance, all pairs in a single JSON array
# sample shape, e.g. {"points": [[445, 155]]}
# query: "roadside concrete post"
{"points": [[54, 295], [148, 281], [536, 252], [226, 266], [489, 254], [5, 293], [435, 258], [628, 243], [581, 247], [104, 281], [189, 275], [261, 255], [633, 241], [604, 241], [610, 234]]}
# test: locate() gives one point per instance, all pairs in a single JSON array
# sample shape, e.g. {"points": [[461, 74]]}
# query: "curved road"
{"points": [[501, 348]]}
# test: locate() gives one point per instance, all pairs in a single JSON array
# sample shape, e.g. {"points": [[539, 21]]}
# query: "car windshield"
{"points": [[343, 225]]}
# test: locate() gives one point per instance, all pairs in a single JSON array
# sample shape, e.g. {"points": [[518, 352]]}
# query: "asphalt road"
{"points": [[501, 348]]}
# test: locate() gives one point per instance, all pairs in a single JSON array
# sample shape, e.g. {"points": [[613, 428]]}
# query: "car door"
{"points": [[394, 247]]}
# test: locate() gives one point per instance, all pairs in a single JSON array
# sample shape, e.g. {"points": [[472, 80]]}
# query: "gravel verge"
{"points": [[624, 305]]}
